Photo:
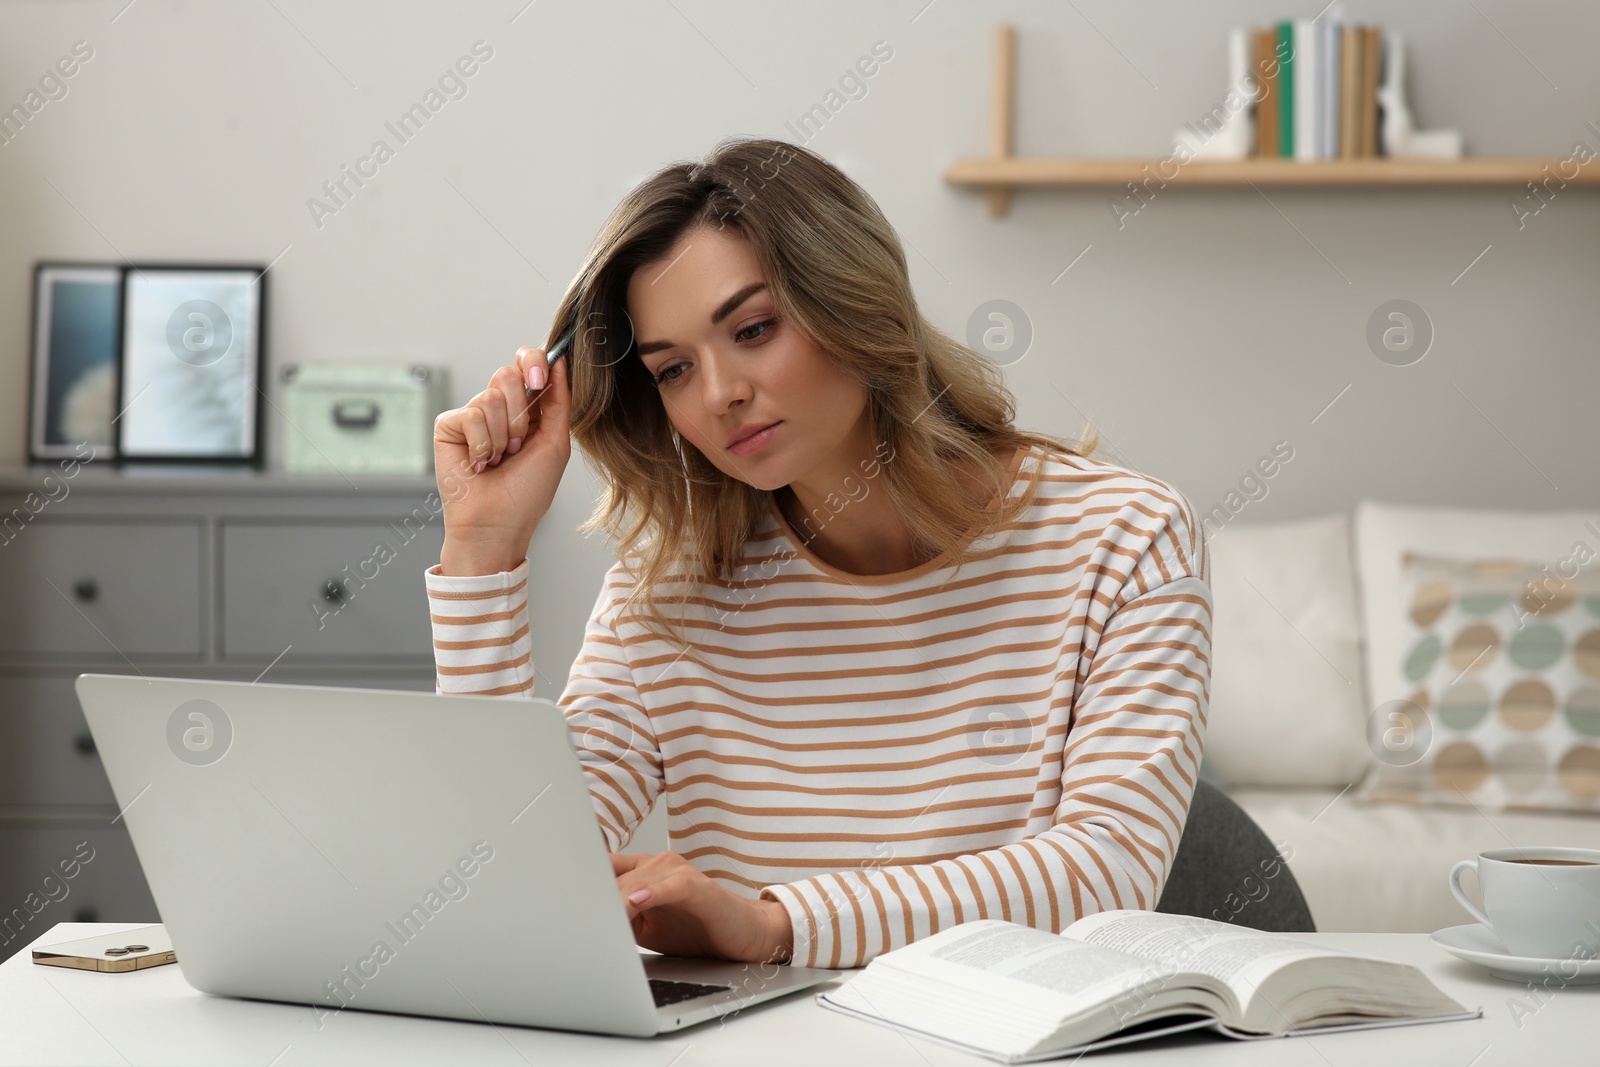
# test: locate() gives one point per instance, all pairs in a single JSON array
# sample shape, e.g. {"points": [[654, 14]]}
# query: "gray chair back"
{"points": [[1227, 869]]}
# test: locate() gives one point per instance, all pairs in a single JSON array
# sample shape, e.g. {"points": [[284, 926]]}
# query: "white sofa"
{"points": [[1308, 617]]}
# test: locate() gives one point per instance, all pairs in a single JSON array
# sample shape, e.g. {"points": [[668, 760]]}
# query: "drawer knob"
{"points": [[332, 591], [86, 589], [84, 743]]}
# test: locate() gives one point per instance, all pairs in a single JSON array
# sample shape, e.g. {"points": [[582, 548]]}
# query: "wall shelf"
{"points": [[1001, 172], [1014, 171]]}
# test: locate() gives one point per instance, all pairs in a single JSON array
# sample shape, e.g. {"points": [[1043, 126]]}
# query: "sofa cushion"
{"points": [[1384, 532], [1504, 658], [1286, 687], [1383, 867]]}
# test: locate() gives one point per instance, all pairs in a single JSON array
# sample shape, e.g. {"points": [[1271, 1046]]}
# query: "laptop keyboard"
{"points": [[668, 992]]}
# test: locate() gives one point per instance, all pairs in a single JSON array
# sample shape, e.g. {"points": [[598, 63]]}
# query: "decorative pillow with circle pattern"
{"points": [[1502, 665]]}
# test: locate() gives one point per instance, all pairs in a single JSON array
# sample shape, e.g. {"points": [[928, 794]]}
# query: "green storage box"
{"points": [[360, 418]]}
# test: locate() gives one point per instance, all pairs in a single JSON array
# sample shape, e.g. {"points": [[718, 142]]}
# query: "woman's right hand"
{"points": [[498, 461]]}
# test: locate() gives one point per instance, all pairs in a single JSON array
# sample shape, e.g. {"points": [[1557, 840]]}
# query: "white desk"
{"points": [[50, 1015]]}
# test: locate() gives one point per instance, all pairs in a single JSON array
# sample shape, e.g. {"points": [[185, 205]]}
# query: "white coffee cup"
{"points": [[1540, 902]]}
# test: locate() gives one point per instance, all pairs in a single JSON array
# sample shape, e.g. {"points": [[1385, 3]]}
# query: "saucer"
{"points": [[1476, 944]]}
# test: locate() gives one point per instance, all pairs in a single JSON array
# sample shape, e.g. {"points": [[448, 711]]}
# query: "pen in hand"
{"points": [[557, 350]]}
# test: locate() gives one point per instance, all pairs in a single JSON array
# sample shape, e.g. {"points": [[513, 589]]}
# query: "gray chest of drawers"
{"points": [[178, 572]]}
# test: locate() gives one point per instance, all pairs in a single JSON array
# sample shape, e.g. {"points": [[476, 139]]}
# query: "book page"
{"points": [[1039, 958], [1082, 978], [1037, 971], [1012, 990], [1240, 957]]}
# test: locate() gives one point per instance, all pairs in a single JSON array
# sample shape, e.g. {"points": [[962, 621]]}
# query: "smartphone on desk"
{"points": [[130, 950]]}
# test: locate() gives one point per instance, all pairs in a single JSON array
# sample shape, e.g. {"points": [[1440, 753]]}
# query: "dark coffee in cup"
{"points": [[1559, 863]]}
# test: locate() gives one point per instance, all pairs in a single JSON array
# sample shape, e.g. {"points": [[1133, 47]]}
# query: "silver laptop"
{"points": [[394, 851]]}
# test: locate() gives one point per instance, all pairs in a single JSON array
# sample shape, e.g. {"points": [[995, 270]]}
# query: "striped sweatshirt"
{"points": [[887, 755]]}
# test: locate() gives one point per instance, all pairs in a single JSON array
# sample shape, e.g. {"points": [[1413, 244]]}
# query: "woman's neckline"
{"points": [[893, 577]]}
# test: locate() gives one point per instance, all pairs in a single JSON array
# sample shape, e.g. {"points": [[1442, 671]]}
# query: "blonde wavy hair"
{"points": [[836, 272]]}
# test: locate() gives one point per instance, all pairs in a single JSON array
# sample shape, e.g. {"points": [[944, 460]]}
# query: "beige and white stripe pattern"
{"points": [[888, 755]]}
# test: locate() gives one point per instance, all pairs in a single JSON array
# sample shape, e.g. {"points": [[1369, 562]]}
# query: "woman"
{"points": [[893, 663]]}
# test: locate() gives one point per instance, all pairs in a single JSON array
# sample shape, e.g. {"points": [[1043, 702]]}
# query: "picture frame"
{"points": [[190, 375], [77, 343]]}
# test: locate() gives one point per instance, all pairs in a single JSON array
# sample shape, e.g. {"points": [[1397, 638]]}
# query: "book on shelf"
{"points": [[1016, 994], [1319, 81], [1350, 77], [1266, 112], [1369, 92], [1306, 60], [1329, 60], [1287, 61]]}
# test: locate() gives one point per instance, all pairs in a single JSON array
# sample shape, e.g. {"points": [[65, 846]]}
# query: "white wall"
{"points": [[1212, 325]]}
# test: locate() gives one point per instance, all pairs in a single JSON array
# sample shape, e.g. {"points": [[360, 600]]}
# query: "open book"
{"points": [[1016, 994]]}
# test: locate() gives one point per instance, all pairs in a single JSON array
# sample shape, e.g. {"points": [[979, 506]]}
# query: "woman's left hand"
{"points": [[677, 910]]}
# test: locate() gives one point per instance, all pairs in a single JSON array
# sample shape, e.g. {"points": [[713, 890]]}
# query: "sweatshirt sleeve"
{"points": [[481, 646], [1129, 763], [480, 632]]}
